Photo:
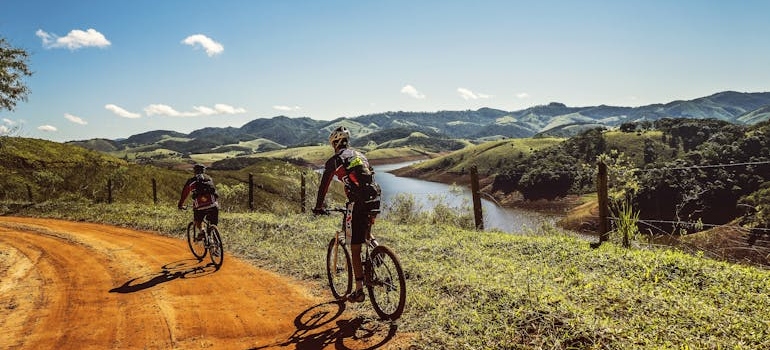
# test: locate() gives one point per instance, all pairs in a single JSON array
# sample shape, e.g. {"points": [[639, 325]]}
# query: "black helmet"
{"points": [[199, 168]]}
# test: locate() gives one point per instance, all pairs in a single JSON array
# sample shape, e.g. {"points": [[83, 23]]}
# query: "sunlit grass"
{"points": [[537, 289]]}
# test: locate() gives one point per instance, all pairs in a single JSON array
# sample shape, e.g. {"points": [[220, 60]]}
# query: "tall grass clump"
{"points": [[405, 209], [625, 224]]}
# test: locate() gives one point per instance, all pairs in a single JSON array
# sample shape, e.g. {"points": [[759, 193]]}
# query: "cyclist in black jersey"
{"points": [[353, 169]]}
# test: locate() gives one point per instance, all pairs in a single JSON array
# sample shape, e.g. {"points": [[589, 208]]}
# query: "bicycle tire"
{"points": [[216, 250], [339, 270], [387, 284], [198, 248]]}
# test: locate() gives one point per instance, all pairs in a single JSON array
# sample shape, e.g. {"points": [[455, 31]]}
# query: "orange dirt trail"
{"points": [[73, 285]]}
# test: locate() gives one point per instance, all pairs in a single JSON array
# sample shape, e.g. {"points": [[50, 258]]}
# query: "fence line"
{"points": [[475, 192]]}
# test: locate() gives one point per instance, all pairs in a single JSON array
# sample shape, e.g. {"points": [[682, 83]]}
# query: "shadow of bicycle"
{"points": [[188, 268], [314, 330]]}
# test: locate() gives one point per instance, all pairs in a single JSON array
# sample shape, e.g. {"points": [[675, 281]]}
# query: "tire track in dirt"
{"points": [[68, 285]]}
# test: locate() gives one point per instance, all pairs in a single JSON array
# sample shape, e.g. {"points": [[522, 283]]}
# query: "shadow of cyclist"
{"points": [[313, 330], [188, 268]]}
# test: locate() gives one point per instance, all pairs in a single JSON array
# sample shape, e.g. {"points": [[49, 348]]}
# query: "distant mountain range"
{"points": [[486, 123]]}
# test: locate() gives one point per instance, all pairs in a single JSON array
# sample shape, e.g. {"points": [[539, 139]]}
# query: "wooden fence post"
{"points": [[302, 194], [477, 213], [251, 191], [154, 191], [601, 183], [109, 191]]}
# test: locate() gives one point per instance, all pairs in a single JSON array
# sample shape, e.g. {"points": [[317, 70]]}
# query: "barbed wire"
{"points": [[693, 224], [707, 166]]}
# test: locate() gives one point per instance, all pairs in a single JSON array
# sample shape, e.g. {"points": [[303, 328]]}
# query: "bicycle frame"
{"points": [[211, 245], [383, 277]]}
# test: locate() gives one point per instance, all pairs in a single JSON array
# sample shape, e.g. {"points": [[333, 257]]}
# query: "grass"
{"points": [[488, 157], [632, 144], [477, 290]]}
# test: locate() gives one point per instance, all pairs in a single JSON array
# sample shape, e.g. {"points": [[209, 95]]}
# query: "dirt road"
{"points": [[68, 285]]}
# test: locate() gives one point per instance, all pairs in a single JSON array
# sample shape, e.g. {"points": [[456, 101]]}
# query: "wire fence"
{"points": [[732, 240], [652, 222]]}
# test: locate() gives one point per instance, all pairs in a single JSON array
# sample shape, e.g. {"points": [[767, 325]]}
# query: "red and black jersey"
{"points": [[200, 200], [351, 167]]}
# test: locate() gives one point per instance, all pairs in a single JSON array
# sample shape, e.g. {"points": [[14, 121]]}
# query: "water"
{"points": [[427, 194]]}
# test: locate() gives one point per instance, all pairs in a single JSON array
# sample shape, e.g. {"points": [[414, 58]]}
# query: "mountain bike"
{"points": [[383, 277], [205, 240]]}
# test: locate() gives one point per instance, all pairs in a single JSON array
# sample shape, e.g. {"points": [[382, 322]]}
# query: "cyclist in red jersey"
{"points": [[353, 169], [204, 196]]}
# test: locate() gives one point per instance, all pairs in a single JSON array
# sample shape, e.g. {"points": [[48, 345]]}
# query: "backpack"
{"points": [[367, 191], [204, 185]]}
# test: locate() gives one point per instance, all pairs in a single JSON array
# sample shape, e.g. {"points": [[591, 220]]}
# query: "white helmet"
{"points": [[339, 136]]}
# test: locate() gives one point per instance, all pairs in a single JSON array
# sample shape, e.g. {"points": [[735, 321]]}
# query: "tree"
{"points": [[586, 145], [550, 177], [649, 151], [13, 68]]}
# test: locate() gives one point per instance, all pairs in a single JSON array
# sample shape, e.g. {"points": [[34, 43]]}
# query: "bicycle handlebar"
{"points": [[328, 211]]}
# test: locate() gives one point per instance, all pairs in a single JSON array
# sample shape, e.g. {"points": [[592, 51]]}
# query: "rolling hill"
{"points": [[383, 130]]}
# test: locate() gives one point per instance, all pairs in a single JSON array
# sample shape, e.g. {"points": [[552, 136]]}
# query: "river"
{"points": [[427, 194]]}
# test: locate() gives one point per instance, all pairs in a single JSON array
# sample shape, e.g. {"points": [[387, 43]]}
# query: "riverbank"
{"points": [[559, 207], [580, 214]]}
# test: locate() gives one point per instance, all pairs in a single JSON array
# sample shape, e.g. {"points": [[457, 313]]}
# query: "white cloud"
{"points": [[226, 109], [9, 126], [286, 108], [161, 109], [470, 95], [121, 112], [522, 95], [74, 40], [203, 110], [212, 47], [412, 91], [47, 128], [75, 119], [168, 111]]}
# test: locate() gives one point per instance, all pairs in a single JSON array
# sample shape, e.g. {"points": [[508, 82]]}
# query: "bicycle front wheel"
{"points": [[197, 246], [387, 285], [216, 250], [339, 269]]}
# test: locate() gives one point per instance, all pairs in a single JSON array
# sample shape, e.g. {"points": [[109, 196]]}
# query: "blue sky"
{"points": [[113, 69]]}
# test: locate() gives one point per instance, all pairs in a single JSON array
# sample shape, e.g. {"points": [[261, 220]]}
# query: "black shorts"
{"points": [[359, 224], [211, 213]]}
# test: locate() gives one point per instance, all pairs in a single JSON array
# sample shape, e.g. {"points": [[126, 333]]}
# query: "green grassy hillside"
{"points": [[495, 157], [50, 171], [488, 157], [633, 144]]}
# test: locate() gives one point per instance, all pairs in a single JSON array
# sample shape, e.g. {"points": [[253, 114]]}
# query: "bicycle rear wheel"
{"points": [[339, 269], [197, 247], [387, 284], [216, 250]]}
